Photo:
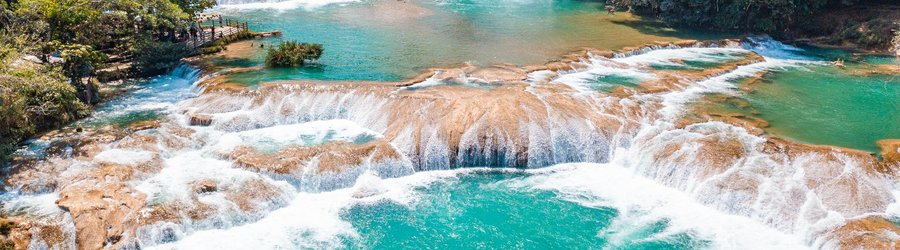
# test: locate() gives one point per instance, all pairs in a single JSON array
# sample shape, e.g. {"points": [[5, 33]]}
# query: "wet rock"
{"points": [[333, 157], [890, 150], [253, 195], [37, 176], [200, 120], [140, 142], [686, 43], [143, 125], [205, 186], [872, 232], [227, 87], [101, 212], [14, 233]]}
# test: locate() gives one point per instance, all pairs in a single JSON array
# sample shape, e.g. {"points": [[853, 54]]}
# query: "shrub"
{"points": [[293, 54], [34, 99], [154, 58]]}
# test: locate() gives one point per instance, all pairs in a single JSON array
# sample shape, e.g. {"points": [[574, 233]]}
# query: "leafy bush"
{"points": [[293, 54], [153, 58], [35, 99]]}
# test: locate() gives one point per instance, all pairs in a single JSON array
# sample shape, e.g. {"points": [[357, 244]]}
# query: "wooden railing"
{"points": [[211, 33]]}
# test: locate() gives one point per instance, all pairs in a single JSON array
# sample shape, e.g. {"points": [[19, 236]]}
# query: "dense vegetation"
{"points": [[34, 97], [292, 54], [782, 18], [51, 51]]}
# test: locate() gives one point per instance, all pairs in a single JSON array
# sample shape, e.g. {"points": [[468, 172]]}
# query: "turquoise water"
{"points": [[360, 45], [823, 104], [147, 99], [607, 83], [482, 211]]}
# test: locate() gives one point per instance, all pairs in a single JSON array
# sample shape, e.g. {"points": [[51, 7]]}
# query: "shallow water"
{"points": [[823, 104], [361, 44], [147, 99], [492, 210]]}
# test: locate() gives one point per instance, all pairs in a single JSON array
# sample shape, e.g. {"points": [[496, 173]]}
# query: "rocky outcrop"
{"points": [[103, 213], [15, 233], [332, 157], [200, 120], [890, 150], [871, 232]]}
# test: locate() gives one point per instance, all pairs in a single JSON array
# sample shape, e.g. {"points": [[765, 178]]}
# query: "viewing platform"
{"points": [[211, 27]]}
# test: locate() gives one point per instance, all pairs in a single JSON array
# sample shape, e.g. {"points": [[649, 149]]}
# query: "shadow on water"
{"points": [[658, 28]]}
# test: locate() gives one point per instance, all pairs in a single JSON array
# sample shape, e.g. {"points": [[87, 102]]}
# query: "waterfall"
{"points": [[285, 159]]}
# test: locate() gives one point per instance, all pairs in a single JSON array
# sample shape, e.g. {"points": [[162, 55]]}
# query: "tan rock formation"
{"points": [[890, 150], [103, 213], [872, 232], [200, 120], [332, 157]]}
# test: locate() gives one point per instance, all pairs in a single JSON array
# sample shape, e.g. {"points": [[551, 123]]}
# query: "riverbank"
{"points": [[868, 27]]}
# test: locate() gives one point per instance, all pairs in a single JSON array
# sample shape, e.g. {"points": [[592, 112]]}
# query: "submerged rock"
{"points": [[200, 120], [205, 186], [890, 150]]}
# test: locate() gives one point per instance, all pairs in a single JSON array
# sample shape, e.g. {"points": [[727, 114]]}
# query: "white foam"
{"points": [[671, 56], [314, 219], [123, 157], [302, 134], [608, 185], [583, 80], [430, 82], [311, 220]]}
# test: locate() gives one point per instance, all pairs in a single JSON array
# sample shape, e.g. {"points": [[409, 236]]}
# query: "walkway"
{"points": [[207, 36]]}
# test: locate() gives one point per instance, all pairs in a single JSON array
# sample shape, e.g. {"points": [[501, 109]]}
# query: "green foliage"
{"points": [[290, 53], [101, 23], [746, 15], [79, 61], [192, 7], [153, 58], [871, 34], [34, 98]]}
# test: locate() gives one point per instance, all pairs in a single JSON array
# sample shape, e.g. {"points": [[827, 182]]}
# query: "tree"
{"points": [[192, 7], [34, 97], [102, 24], [152, 57], [290, 53]]}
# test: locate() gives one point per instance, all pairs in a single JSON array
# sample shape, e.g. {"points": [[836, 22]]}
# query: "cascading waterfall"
{"points": [[281, 165]]}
